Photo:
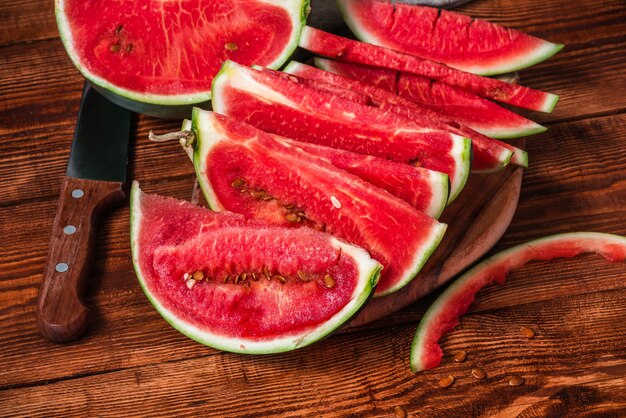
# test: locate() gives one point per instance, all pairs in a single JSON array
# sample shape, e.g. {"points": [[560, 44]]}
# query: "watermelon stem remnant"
{"points": [[186, 138], [443, 315]]}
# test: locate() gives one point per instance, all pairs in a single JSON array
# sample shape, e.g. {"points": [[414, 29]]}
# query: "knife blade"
{"points": [[94, 183]]}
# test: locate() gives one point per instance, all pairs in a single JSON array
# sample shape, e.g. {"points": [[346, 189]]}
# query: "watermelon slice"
{"points": [[235, 284], [443, 315], [425, 190], [259, 175], [455, 39], [489, 154], [344, 49], [160, 57], [278, 103], [466, 108]]}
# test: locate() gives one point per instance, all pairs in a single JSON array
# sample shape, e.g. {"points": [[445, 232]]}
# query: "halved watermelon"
{"points": [[160, 57], [466, 108], [344, 49], [278, 103], [235, 284], [261, 176], [425, 190], [455, 39], [489, 154], [443, 315]]}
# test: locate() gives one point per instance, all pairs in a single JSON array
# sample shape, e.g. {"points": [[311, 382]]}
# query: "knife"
{"points": [[94, 183]]}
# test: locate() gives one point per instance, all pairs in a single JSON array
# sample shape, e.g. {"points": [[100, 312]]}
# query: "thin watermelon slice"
{"points": [[257, 174], [489, 154], [160, 57], [455, 39], [344, 49], [425, 190], [466, 108], [250, 297], [278, 103], [443, 315]]}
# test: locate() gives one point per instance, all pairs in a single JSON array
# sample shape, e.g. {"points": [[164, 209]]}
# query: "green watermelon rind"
{"points": [[462, 151], [165, 105], [459, 285], [547, 50], [369, 273]]}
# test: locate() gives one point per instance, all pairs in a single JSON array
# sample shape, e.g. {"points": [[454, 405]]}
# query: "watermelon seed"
{"points": [[459, 356], [236, 279], [244, 276], [198, 276], [516, 381], [185, 276], [129, 47], [258, 194], [329, 282], [190, 283], [478, 374], [399, 412], [336, 203], [267, 273], [293, 218], [231, 46], [303, 276], [254, 277], [118, 29], [238, 183], [280, 278], [226, 277], [444, 382], [114, 48], [527, 332]]}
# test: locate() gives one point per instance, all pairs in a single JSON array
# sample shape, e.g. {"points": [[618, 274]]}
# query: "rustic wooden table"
{"points": [[130, 362]]}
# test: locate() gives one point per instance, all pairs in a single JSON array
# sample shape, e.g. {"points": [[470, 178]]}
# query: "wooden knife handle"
{"points": [[61, 313]]}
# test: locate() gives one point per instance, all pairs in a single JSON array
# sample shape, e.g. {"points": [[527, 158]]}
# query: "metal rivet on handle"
{"points": [[61, 267], [77, 193], [69, 230]]}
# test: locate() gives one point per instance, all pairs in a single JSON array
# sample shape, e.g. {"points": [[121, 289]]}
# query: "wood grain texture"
{"points": [[130, 362]]}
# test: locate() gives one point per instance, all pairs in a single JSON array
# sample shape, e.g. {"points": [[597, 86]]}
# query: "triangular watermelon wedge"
{"points": [[455, 39], [425, 190], [344, 49], [467, 108], [257, 174]]}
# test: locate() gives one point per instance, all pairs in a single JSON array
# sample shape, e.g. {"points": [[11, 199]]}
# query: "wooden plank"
{"points": [[115, 295], [26, 21], [368, 373]]}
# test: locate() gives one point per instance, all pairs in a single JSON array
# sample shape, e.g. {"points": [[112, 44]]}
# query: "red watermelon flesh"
{"points": [[278, 103], [443, 315], [344, 49], [489, 154], [261, 176], [239, 312], [169, 51], [425, 190], [455, 39], [466, 108]]}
